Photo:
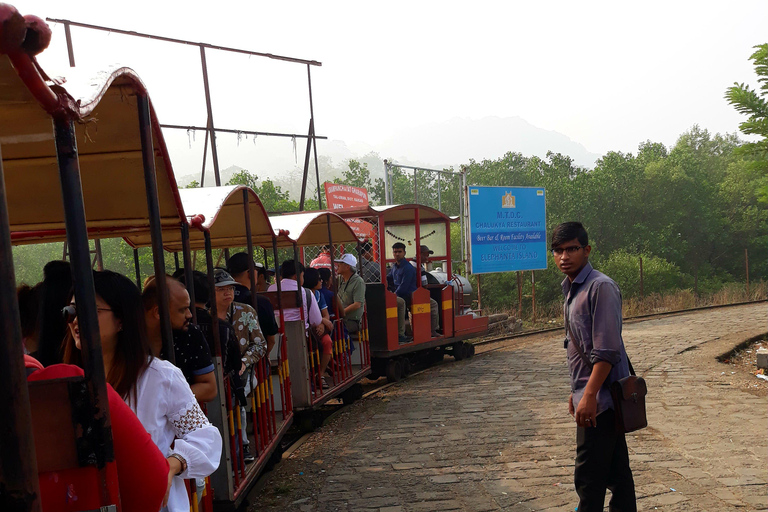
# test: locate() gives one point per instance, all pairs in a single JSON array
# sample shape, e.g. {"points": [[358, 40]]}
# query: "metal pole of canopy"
{"points": [[386, 182], [188, 277], [314, 139], [310, 133], [212, 294], [249, 241], [17, 451], [85, 294], [137, 267], [156, 230], [214, 150]]}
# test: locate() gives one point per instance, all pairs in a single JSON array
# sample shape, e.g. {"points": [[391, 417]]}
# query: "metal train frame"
{"points": [[120, 183]]}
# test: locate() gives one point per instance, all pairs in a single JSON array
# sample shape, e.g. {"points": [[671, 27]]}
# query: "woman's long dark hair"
{"points": [[132, 354]]}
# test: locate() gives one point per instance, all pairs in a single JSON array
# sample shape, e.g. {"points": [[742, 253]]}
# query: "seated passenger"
{"points": [[323, 259], [193, 355], [237, 265], [140, 464], [404, 283], [230, 348], [351, 291], [371, 271], [253, 346], [312, 316], [326, 290], [425, 277], [155, 390], [313, 282]]}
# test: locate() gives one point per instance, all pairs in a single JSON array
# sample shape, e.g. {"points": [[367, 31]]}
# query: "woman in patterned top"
{"points": [[155, 390]]}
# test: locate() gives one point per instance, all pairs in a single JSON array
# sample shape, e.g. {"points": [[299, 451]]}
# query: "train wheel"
{"points": [[435, 356], [394, 370], [406, 365], [275, 458], [459, 350], [352, 394], [471, 348]]}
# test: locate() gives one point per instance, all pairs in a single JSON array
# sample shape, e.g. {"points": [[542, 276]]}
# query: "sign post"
{"points": [[507, 229]]}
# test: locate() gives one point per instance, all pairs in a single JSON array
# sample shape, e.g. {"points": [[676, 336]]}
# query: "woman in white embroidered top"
{"points": [[155, 389]]}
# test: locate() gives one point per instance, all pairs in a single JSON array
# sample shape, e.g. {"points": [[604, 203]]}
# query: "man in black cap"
{"points": [[237, 265]]}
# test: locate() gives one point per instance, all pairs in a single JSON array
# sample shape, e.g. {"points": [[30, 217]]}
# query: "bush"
{"points": [[659, 275]]}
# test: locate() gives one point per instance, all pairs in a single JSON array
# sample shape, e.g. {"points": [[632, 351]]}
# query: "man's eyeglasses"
{"points": [[70, 312], [570, 250]]}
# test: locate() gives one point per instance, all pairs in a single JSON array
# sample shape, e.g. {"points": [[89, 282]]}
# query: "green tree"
{"points": [[193, 184], [754, 104]]}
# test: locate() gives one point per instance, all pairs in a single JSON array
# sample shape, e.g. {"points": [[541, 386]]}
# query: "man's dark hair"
{"points": [[568, 231], [398, 245], [200, 280], [311, 278], [366, 246], [288, 269], [237, 263]]}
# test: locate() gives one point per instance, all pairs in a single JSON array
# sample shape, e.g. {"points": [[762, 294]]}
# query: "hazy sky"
{"points": [[607, 74]]}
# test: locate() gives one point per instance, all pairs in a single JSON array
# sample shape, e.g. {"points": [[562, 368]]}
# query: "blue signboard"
{"points": [[507, 229]]}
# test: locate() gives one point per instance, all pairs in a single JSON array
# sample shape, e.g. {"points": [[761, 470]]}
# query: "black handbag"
{"points": [[628, 395]]}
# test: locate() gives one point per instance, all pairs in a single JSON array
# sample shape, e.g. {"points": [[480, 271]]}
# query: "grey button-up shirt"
{"points": [[593, 310]]}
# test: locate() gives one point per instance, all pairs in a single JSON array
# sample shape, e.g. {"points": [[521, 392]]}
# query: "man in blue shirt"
{"points": [[593, 323], [404, 277]]}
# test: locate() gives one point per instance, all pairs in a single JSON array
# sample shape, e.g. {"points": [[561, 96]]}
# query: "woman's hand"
{"points": [[174, 468], [242, 368]]}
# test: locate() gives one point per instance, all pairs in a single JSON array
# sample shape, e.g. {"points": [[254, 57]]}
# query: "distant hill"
{"points": [[449, 143], [456, 141], [210, 181]]}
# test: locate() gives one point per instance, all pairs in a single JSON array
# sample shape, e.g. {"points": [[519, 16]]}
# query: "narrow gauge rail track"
{"points": [[294, 439]]}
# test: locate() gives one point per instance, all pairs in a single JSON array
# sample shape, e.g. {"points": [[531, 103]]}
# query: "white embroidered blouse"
{"points": [[168, 410]]}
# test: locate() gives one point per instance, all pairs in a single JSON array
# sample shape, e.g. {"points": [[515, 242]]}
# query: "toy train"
{"points": [[62, 181]]}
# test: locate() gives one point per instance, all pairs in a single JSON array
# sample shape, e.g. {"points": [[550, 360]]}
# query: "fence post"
{"points": [[533, 294], [479, 304], [641, 277], [746, 264]]}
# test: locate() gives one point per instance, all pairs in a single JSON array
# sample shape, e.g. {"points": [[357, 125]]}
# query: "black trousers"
{"points": [[602, 462]]}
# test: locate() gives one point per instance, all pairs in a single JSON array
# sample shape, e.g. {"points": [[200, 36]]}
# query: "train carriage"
{"points": [[351, 359], [220, 218], [54, 190], [414, 225]]}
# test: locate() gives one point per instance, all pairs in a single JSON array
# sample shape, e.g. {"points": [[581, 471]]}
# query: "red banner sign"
{"points": [[345, 197]]}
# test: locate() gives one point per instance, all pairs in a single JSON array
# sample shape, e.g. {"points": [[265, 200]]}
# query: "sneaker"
{"points": [[435, 334], [325, 384], [247, 456], [404, 339]]}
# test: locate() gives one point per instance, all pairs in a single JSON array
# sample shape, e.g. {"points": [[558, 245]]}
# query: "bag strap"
{"points": [[581, 351]]}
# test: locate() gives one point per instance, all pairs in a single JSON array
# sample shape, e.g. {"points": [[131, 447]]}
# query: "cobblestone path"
{"points": [[494, 433]]}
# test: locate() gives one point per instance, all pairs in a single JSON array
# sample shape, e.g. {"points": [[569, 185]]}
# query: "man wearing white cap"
{"points": [[351, 292]]}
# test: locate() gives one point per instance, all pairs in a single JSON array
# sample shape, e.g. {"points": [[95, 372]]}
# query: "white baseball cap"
{"points": [[349, 259]]}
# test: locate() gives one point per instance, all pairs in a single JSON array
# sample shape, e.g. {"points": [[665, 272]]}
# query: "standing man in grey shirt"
{"points": [[592, 312]]}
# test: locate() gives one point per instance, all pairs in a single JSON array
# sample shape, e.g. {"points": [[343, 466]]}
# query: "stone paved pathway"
{"points": [[493, 432]]}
